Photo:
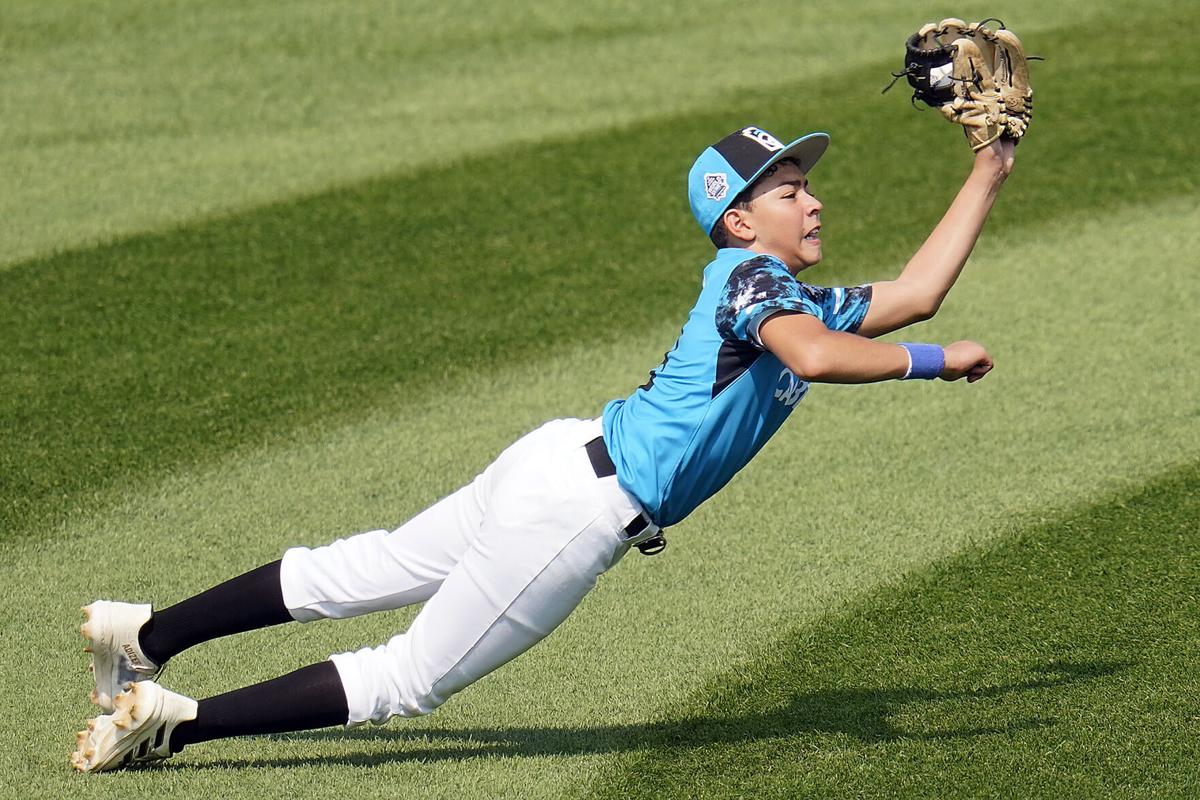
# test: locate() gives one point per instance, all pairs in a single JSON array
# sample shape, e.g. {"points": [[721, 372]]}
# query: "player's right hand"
{"points": [[965, 360]]}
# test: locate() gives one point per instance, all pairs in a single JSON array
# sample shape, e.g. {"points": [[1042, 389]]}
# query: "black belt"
{"points": [[604, 467]]}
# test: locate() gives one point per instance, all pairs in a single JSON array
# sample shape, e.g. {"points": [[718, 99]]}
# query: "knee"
{"points": [[316, 582], [384, 682]]}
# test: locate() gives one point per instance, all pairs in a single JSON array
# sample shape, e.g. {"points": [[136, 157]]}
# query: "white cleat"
{"points": [[137, 732], [117, 658]]}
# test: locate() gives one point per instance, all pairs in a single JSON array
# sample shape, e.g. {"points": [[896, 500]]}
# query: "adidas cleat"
{"points": [[138, 731], [117, 658]]}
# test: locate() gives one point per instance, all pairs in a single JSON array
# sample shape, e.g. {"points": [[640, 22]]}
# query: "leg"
{"points": [[379, 571], [501, 600], [149, 722], [492, 608], [245, 603], [367, 572], [307, 698], [550, 531], [129, 643]]}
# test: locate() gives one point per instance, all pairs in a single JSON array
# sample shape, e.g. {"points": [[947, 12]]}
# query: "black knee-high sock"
{"points": [[249, 601], [310, 697]]}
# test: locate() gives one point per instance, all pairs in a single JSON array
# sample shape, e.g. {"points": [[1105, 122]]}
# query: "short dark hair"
{"points": [[720, 234]]}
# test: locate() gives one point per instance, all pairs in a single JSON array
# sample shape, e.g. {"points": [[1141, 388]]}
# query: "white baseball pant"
{"points": [[500, 563]]}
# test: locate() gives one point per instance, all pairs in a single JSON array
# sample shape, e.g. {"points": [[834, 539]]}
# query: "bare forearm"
{"points": [[815, 353], [846, 358], [927, 278], [937, 264]]}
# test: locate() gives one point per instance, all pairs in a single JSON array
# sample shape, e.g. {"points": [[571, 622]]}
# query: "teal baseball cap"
{"points": [[725, 169]]}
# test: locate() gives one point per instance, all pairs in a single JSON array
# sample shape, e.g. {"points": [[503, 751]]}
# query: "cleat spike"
{"points": [[91, 725], [95, 697], [88, 649], [80, 740], [92, 668], [85, 630]]}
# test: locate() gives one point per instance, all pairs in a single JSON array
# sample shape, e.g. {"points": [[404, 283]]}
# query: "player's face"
{"points": [[786, 218]]}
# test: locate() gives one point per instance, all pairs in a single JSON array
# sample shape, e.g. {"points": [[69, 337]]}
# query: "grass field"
{"points": [[272, 277]]}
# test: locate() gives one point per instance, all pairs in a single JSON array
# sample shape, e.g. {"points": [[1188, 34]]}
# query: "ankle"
{"points": [[149, 646]]}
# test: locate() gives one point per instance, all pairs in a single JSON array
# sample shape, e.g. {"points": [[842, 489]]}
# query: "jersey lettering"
{"points": [[790, 389]]}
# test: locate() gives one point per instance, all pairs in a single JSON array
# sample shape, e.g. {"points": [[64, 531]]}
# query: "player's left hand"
{"points": [[997, 158], [965, 360]]}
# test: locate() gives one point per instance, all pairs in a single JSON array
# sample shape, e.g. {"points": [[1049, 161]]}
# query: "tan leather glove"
{"points": [[976, 76]]}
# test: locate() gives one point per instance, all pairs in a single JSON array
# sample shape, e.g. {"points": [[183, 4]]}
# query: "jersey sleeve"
{"points": [[756, 289], [843, 308]]}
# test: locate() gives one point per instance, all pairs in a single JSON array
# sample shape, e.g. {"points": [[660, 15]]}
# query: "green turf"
{"points": [[170, 349], [789, 540], [1061, 664], [324, 365], [123, 117]]}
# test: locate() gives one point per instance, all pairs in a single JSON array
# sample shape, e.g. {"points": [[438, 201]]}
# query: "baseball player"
{"points": [[502, 561]]}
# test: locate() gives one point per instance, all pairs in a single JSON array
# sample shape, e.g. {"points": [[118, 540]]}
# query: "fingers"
{"points": [[979, 370]]}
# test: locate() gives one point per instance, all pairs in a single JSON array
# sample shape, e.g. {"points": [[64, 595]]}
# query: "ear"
{"points": [[740, 225]]}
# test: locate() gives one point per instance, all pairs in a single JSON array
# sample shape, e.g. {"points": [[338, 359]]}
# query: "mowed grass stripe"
{"points": [[121, 118], [169, 350], [863, 486], [1059, 664]]}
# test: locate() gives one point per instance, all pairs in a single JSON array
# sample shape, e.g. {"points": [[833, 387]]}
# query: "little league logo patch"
{"points": [[716, 185]]}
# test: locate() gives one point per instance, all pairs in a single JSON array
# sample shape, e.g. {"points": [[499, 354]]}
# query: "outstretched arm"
{"points": [[815, 353], [925, 280]]}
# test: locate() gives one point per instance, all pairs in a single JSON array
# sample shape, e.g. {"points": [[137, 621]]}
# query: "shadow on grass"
{"points": [[864, 715]]}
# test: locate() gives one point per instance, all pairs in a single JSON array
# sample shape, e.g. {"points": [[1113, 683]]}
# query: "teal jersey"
{"points": [[719, 395]]}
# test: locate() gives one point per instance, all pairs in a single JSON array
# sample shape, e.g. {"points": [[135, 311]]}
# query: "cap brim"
{"points": [[806, 150]]}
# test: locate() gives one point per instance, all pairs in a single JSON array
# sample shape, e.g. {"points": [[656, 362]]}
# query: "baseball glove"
{"points": [[977, 77]]}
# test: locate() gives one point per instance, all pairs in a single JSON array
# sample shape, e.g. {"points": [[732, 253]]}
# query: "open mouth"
{"points": [[814, 235]]}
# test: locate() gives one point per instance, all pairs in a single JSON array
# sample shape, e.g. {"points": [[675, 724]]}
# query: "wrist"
{"points": [[989, 174], [925, 361], [991, 166]]}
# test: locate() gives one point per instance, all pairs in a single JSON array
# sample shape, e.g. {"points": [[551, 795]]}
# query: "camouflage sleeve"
{"points": [[756, 289], [843, 308]]}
